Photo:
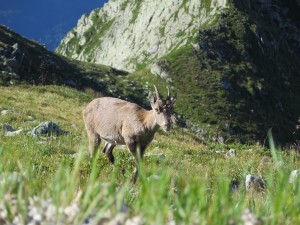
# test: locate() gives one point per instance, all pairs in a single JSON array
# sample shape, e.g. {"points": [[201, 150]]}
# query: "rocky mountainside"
{"points": [[245, 75], [127, 34], [234, 63], [25, 61]]}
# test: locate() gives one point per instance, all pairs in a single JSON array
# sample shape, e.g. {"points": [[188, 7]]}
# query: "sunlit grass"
{"points": [[181, 180]]}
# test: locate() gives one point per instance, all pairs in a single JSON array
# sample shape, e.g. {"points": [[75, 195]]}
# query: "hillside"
{"points": [[23, 61], [235, 64], [236, 78]]}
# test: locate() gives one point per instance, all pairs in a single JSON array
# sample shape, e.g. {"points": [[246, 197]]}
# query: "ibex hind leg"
{"points": [[94, 143], [108, 151]]}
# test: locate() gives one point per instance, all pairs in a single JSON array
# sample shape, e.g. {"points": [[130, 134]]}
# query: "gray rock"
{"points": [[7, 128], [13, 133], [9, 131], [153, 177], [16, 46], [7, 111], [294, 176], [10, 178], [120, 218], [231, 153], [254, 182], [221, 152], [47, 128], [220, 139]]}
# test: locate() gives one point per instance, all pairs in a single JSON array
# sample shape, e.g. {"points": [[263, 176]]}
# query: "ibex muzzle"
{"points": [[119, 122]]}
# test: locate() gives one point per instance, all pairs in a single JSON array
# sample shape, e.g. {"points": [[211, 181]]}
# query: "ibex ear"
{"points": [[151, 99]]}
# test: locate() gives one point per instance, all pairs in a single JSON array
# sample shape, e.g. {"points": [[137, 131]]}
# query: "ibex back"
{"points": [[119, 122]]}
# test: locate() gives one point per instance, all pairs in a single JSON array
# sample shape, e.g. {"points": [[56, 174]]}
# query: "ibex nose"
{"points": [[167, 127]]}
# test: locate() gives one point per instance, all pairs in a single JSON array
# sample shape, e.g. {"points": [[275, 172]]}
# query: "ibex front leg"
{"points": [[138, 153]]}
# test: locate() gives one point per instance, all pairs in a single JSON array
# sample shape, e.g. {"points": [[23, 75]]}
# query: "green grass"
{"points": [[193, 185]]}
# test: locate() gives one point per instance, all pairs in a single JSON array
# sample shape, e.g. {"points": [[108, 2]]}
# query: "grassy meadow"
{"points": [[182, 180]]}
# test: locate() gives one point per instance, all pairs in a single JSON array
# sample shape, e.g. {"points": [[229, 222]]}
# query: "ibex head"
{"points": [[162, 108]]}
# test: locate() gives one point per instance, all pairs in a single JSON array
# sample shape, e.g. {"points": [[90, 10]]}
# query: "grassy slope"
{"points": [[194, 181], [235, 85]]}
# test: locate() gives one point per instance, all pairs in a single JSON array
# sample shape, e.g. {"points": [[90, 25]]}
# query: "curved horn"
{"points": [[157, 93]]}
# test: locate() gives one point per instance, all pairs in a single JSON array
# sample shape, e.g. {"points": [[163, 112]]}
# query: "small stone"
{"points": [[220, 139], [220, 152], [50, 212], [124, 208], [294, 176], [254, 182], [71, 211], [7, 111], [118, 219], [7, 128], [155, 142], [137, 220], [13, 133], [231, 153], [249, 218], [153, 177], [16, 46], [3, 213], [30, 118]]}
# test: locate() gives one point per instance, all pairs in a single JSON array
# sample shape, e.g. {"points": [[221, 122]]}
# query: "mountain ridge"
{"points": [[125, 34]]}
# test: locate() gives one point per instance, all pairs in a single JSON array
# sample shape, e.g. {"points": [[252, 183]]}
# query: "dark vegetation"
{"points": [[244, 79]]}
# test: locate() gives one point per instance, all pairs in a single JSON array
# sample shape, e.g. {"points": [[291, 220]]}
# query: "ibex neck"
{"points": [[150, 120]]}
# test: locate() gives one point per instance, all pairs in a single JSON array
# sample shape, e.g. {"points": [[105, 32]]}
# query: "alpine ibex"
{"points": [[119, 122]]}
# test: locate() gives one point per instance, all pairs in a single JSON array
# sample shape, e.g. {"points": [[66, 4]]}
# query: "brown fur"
{"points": [[119, 122]]}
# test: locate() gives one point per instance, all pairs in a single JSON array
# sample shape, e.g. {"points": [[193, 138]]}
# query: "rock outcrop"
{"points": [[125, 34]]}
